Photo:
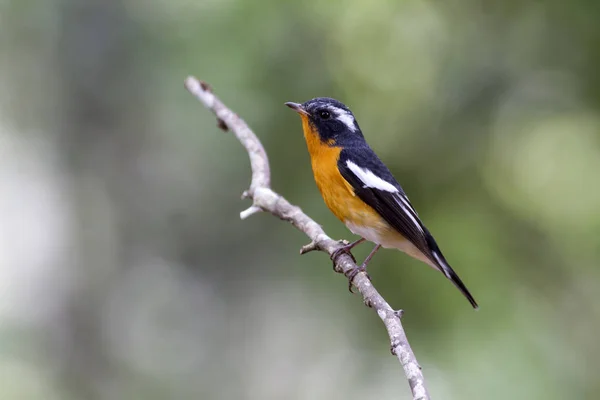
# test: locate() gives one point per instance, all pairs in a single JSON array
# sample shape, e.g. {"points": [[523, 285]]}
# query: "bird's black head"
{"points": [[330, 120]]}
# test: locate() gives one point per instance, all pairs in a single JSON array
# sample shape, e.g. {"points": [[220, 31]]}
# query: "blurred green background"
{"points": [[126, 273]]}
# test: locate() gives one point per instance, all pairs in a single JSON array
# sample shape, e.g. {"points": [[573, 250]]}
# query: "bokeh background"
{"points": [[126, 273]]}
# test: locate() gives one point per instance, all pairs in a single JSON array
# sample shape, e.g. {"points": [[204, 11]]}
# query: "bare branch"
{"points": [[250, 211], [265, 199]]}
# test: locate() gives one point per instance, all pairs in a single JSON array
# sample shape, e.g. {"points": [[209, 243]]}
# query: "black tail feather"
{"points": [[447, 270]]}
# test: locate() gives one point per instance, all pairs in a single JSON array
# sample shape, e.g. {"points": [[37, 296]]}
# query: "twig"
{"points": [[265, 199]]}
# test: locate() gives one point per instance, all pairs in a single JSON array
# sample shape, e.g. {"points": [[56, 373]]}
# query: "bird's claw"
{"points": [[344, 249], [351, 274]]}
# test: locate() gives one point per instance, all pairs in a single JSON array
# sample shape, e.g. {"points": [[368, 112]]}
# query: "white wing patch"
{"points": [[344, 117], [412, 214], [406, 204], [369, 179]]}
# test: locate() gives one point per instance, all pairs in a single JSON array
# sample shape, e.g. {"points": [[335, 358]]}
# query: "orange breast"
{"points": [[336, 191]]}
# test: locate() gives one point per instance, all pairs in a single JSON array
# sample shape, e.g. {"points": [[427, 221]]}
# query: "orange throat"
{"points": [[336, 191]]}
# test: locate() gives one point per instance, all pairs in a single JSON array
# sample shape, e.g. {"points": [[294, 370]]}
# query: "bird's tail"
{"points": [[447, 270], [453, 277]]}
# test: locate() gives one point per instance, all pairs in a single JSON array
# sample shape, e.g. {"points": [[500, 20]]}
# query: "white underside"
{"points": [[395, 241]]}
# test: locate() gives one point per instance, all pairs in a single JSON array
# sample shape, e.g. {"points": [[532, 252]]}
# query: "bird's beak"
{"points": [[297, 107]]}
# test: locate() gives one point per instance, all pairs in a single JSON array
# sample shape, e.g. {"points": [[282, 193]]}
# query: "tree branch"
{"points": [[265, 199]]}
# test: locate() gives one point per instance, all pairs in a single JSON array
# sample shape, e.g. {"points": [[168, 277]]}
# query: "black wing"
{"points": [[356, 166], [392, 205]]}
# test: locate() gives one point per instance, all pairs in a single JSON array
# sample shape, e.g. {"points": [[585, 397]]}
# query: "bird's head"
{"points": [[329, 121]]}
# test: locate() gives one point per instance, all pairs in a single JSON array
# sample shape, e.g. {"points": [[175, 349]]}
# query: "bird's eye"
{"points": [[324, 114]]}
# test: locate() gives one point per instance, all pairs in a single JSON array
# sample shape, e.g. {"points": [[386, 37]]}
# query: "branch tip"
{"points": [[191, 84], [312, 246], [250, 211]]}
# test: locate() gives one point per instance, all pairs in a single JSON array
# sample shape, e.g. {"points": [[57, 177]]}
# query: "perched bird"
{"points": [[361, 191]]}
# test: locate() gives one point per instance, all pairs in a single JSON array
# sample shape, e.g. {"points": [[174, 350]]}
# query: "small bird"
{"points": [[361, 191]]}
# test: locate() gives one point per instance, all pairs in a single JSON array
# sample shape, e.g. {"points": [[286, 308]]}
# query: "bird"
{"points": [[361, 191]]}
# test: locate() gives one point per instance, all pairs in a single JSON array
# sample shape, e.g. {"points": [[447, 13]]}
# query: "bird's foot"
{"points": [[351, 274], [344, 249], [354, 271]]}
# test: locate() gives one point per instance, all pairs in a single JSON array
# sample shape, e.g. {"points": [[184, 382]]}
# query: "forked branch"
{"points": [[265, 199]]}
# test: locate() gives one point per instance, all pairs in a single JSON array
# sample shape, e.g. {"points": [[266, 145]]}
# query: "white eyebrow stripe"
{"points": [[344, 117], [369, 179], [347, 120]]}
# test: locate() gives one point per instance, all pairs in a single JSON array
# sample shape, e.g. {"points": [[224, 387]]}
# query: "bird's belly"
{"points": [[358, 216], [378, 231], [384, 234], [339, 196]]}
